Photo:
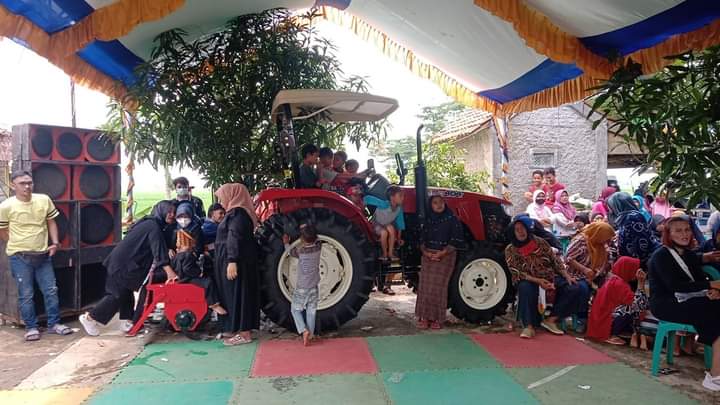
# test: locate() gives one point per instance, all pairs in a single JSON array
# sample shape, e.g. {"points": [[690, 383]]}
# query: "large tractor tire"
{"points": [[480, 287], [347, 267]]}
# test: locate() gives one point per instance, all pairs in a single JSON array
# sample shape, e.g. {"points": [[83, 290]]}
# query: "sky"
{"points": [[35, 91]]}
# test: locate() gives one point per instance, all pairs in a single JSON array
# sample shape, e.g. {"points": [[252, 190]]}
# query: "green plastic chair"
{"points": [[668, 329]]}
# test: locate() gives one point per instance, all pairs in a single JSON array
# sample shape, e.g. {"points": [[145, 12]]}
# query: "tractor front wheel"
{"points": [[480, 287]]}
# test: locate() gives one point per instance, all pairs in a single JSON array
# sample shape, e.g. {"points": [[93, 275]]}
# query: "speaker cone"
{"points": [[94, 182], [42, 142], [100, 148], [69, 145], [97, 224], [50, 180]]}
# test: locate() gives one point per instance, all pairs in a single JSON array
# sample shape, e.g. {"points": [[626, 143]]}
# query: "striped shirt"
{"points": [[308, 270], [26, 223]]}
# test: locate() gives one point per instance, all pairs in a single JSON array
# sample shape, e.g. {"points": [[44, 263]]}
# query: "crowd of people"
{"points": [[633, 261]]}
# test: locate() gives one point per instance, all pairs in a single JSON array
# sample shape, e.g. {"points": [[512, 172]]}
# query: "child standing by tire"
{"points": [[305, 296]]}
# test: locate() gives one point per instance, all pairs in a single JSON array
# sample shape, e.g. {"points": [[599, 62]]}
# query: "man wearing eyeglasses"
{"points": [[26, 220]]}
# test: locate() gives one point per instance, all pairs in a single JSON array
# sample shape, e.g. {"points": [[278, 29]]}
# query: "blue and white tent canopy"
{"points": [[498, 55]]}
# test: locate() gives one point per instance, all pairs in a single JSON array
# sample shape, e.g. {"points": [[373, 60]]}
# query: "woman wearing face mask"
{"points": [[128, 265], [190, 224], [539, 211], [680, 291]]}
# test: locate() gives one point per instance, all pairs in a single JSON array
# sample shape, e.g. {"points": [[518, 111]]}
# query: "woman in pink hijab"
{"points": [[564, 218], [236, 258], [600, 206], [661, 206]]}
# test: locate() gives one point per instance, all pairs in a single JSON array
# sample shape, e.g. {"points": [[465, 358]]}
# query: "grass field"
{"points": [[146, 199]]}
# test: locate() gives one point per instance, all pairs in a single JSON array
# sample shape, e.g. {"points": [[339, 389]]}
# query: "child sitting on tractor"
{"points": [[305, 295], [388, 220], [325, 172], [307, 176]]}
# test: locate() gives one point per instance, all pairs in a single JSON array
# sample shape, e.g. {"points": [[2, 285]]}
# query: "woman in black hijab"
{"points": [[143, 247], [442, 236]]}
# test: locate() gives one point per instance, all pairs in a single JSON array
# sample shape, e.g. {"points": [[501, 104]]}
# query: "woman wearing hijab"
{"points": [[539, 211], [682, 293], [600, 206], [634, 235], [588, 257], [236, 257], [191, 225], [564, 218], [442, 236], [640, 204], [713, 243], [534, 265], [143, 248], [661, 206], [616, 308]]}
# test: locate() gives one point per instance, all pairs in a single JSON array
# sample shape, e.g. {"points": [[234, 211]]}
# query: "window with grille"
{"points": [[543, 159]]}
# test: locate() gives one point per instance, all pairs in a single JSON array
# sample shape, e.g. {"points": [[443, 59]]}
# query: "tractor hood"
{"points": [[333, 105]]}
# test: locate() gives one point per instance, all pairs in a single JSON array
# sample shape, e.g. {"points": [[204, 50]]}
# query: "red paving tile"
{"points": [[543, 350], [286, 358]]}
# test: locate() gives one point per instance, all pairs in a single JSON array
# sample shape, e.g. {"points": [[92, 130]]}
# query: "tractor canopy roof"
{"points": [[334, 105]]}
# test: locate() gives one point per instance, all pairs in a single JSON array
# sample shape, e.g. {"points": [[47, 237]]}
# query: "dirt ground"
{"points": [[78, 360]]}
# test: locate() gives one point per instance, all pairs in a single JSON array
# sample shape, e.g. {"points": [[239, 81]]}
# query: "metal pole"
{"points": [[72, 104]]}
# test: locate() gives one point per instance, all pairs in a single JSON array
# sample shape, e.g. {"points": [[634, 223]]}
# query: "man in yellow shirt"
{"points": [[25, 222]]}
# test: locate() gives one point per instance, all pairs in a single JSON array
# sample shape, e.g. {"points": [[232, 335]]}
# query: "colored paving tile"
{"points": [[282, 358], [347, 389], [428, 352], [53, 396], [206, 393], [544, 350], [188, 361], [473, 386], [597, 384]]}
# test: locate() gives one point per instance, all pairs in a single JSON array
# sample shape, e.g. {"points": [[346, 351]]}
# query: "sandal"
{"points": [[422, 324], [60, 329], [388, 291], [236, 341], [32, 335], [435, 325], [615, 341]]}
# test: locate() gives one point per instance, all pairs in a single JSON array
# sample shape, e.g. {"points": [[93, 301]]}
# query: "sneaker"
{"points": [[552, 328], [126, 325], [527, 333], [90, 325], [711, 383]]}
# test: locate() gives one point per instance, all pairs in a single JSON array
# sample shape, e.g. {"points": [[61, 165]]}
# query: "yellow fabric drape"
{"points": [[106, 23], [540, 34]]}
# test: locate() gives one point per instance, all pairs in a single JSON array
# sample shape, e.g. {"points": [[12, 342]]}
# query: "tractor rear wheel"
{"points": [[347, 267], [480, 287]]}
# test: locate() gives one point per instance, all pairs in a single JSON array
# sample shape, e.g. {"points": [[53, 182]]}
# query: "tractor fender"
{"points": [[284, 201]]}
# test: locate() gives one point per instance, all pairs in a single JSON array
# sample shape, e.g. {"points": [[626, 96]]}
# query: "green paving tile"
{"points": [[428, 352], [209, 393], [188, 361], [326, 389], [609, 384], [474, 386]]}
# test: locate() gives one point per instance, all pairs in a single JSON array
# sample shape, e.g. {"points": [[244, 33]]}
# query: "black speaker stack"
{"points": [[80, 170]]}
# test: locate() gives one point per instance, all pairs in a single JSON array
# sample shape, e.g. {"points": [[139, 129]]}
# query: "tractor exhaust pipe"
{"points": [[420, 181]]}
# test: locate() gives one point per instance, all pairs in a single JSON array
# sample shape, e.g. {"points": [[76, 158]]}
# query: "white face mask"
{"points": [[183, 222], [182, 191]]}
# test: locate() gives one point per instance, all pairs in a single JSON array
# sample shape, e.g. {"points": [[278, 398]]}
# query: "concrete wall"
{"points": [[482, 153], [579, 152]]}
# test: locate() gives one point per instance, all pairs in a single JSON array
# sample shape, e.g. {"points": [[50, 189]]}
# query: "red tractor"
{"points": [[480, 287]]}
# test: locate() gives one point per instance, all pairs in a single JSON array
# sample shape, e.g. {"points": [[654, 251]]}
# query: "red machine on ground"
{"points": [[184, 306], [480, 287]]}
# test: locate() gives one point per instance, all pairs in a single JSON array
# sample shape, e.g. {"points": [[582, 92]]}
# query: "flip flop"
{"points": [[60, 329], [236, 341], [32, 335], [615, 341]]}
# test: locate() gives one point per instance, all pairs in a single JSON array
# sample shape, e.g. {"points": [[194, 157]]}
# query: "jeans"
{"points": [[25, 275], [304, 300]]}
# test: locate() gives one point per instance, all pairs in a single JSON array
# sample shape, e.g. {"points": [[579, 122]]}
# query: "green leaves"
{"points": [[205, 103], [673, 116]]}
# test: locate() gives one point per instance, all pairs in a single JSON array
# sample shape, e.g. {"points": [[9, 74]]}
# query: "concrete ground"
{"points": [[68, 370]]}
